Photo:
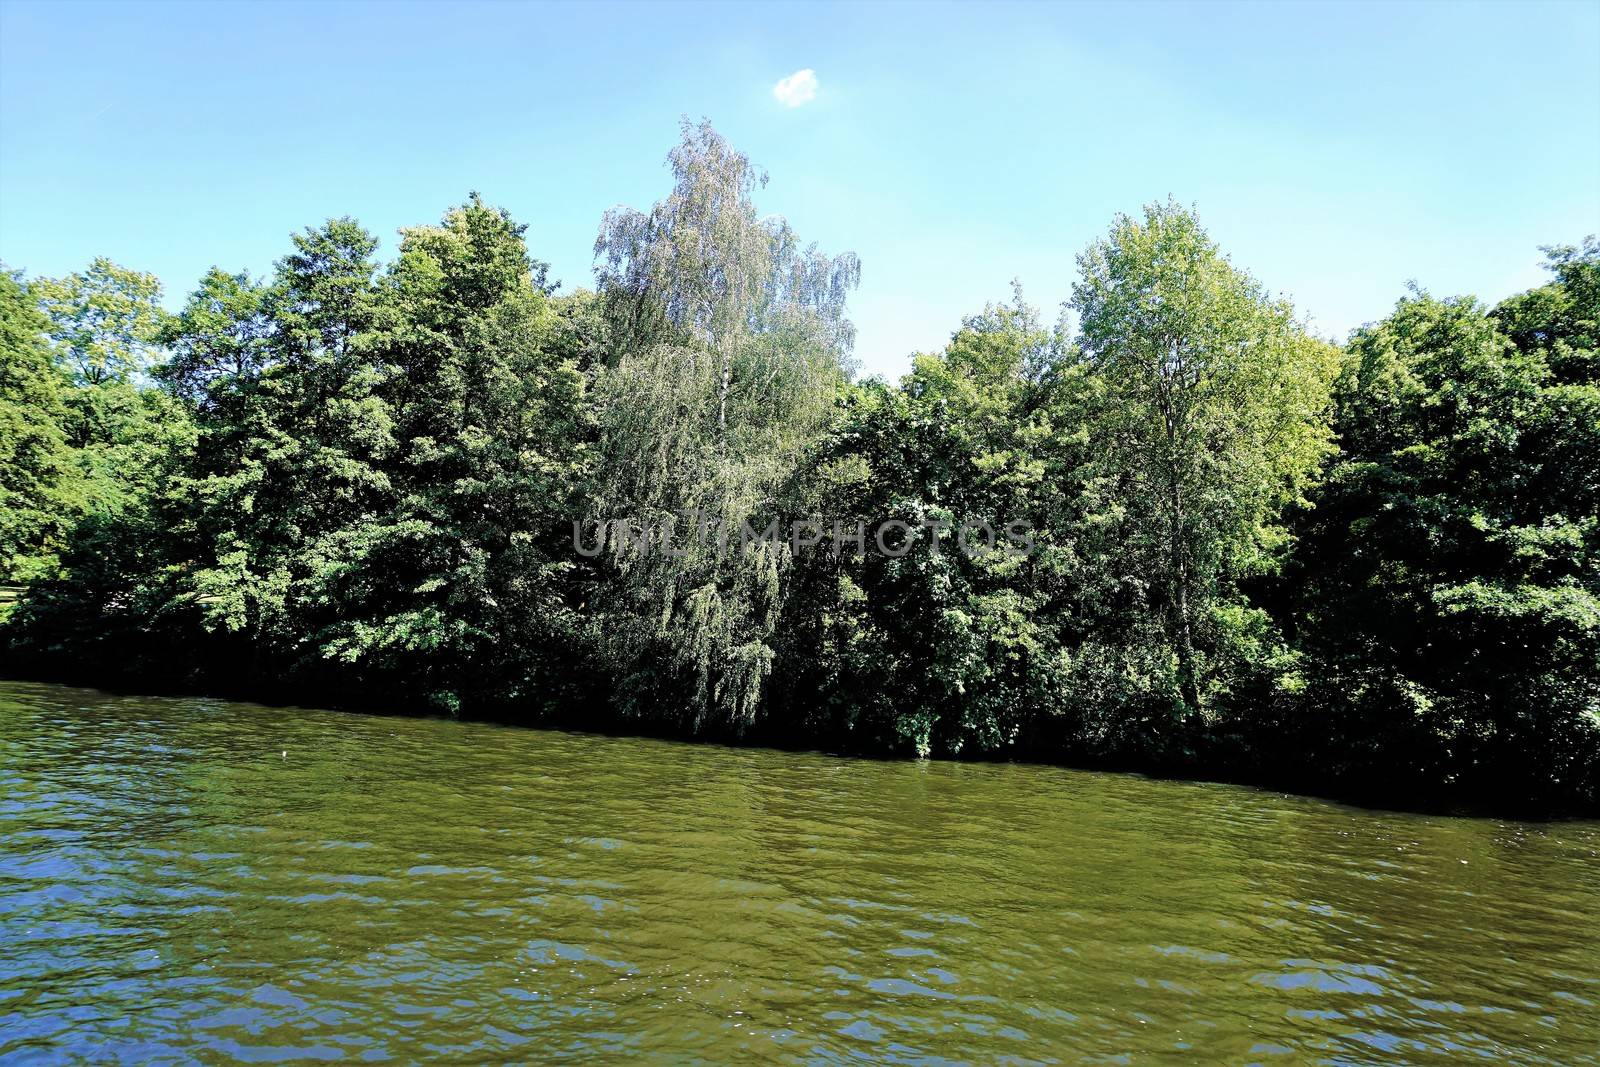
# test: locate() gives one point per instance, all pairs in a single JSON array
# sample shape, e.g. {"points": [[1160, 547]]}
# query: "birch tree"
{"points": [[729, 339], [1213, 414]]}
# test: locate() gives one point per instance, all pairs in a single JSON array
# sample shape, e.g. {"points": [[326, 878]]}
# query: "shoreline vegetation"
{"points": [[1367, 571]]}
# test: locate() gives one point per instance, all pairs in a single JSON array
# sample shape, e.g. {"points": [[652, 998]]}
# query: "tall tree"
{"points": [[459, 589], [1214, 412], [98, 587], [280, 514], [728, 339], [36, 467], [938, 643]]}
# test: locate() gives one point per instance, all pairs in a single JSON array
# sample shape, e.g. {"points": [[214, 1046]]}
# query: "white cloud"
{"points": [[798, 88]]}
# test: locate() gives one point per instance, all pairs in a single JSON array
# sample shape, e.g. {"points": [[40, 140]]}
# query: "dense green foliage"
{"points": [[1448, 582], [1173, 531]]}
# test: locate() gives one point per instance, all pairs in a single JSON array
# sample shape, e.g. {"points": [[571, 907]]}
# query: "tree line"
{"points": [[1370, 570]]}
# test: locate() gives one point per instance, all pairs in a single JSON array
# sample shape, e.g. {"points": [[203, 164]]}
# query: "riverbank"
{"points": [[1213, 758]]}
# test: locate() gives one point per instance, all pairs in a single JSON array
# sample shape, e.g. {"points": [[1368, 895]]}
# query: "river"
{"points": [[201, 880]]}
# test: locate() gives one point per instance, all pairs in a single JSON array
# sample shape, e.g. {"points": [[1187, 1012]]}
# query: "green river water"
{"points": [[194, 880]]}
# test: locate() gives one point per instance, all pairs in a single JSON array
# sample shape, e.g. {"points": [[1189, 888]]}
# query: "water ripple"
{"points": [[197, 880]]}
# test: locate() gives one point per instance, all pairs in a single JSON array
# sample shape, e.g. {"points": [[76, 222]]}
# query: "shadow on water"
{"points": [[1365, 793]]}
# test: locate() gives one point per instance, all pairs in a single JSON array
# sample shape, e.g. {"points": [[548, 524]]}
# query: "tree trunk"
{"points": [[1188, 688], [1167, 377], [1187, 685]]}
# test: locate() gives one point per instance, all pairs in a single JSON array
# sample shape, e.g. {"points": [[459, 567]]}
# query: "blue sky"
{"points": [[1336, 151]]}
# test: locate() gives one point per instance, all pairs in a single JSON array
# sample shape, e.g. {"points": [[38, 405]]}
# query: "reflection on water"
{"points": [[195, 879]]}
